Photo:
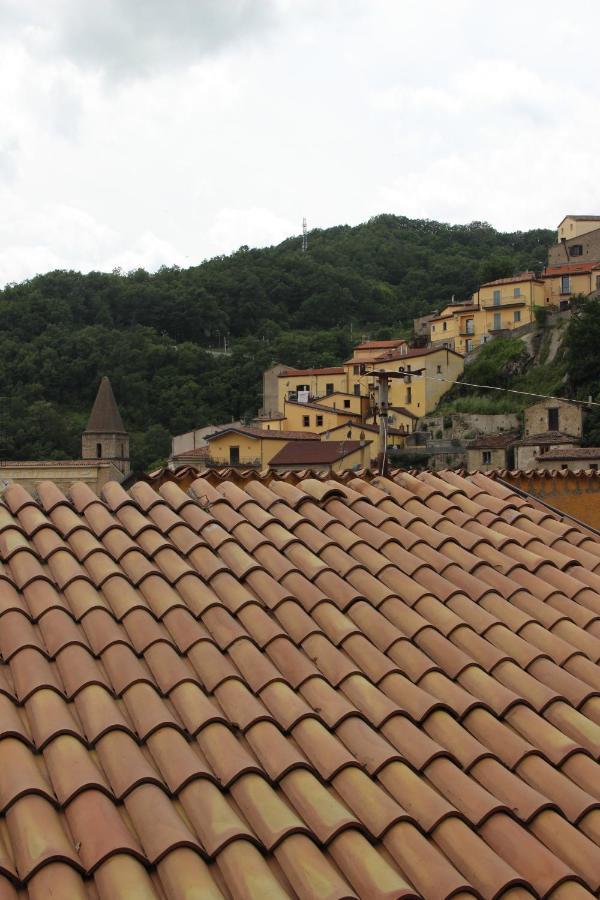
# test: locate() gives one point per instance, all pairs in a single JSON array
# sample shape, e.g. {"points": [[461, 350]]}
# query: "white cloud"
{"points": [[135, 132]]}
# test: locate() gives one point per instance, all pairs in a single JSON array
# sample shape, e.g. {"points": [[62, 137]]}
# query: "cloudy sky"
{"points": [[147, 132]]}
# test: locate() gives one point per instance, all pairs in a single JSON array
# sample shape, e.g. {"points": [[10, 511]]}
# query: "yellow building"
{"points": [[563, 282], [454, 325], [312, 383], [373, 349], [417, 394], [574, 226], [246, 446], [498, 306], [345, 402], [361, 431], [315, 416], [323, 456]]}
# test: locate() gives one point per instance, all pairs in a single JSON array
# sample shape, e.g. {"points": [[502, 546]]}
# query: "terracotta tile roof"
{"points": [[546, 437], [574, 453], [453, 308], [375, 345], [265, 434], [313, 453], [298, 687], [411, 354], [514, 279], [335, 370], [570, 269], [493, 441]]}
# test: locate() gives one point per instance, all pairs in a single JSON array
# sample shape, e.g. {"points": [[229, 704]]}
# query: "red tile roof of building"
{"points": [[570, 269], [313, 454], [375, 345], [335, 370], [272, 687], [454, 308], [572, 453], [493, 441], [513, 279], [265, 434], [547, 437], [412, 354]]}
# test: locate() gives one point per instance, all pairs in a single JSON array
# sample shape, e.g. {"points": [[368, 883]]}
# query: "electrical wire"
{"points": [[492, 387]]}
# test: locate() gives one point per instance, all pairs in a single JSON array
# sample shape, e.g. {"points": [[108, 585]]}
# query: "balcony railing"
{"points": [[212, 463]]}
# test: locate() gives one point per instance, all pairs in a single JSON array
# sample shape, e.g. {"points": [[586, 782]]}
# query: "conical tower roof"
{"points": [[105, 417]]}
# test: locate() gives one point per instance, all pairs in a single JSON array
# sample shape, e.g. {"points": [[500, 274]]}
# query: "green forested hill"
{"points": [[153, 334]]}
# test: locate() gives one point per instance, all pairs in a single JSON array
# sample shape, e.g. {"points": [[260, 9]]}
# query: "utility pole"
{"points": [[304, 235], [382, 402], [383, 383]]}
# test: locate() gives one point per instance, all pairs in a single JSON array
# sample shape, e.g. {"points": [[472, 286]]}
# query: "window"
{"points": [[329, 389], [357, 390], [319, 421], [234, 456], [356, 370], [433, 327], [598, 282], [346, 403], [439, 370], [564, 466], [98, 451], [486, 457], [496, 298], [122, 449], [408, 395], [565, 284], [553, 419], [445, 326], [497, 322], [469, 345], [576, 250], [302, 387], [594, 467], [306, 421], [517, 292], [408, 368], [517, 315]]}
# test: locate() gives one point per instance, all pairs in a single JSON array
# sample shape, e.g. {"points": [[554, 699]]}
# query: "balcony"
{"points": [[466, 332], [510, 303], [212, 463]]}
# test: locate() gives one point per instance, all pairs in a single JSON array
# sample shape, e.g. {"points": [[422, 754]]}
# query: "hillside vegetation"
{"points": [[153, 334]]}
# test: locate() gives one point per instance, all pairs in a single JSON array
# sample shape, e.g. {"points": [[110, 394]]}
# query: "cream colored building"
{"points": [[574, 226], [104, 451], [63, 472]]}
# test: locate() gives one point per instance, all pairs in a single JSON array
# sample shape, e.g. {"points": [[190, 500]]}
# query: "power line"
{"points": [[492, 387]]}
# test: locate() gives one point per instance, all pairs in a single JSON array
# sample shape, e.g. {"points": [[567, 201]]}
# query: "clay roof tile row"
{"points": [[303, 686]]}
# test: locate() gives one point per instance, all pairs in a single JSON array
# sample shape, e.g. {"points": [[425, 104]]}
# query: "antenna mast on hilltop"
{"points": [[304, 235]]}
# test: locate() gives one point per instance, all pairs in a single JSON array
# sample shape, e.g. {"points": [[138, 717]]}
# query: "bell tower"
{"points": [[105, 436]]}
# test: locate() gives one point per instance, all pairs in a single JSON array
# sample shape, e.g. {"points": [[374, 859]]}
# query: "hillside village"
{"points": [[334, 418]]}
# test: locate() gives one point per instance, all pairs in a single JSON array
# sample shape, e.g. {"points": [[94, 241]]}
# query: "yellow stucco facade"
{"points": [[501, 305], [573, 226], [251, 450], [309, 417], [356, 431], [345, 402], [318, 382], [560, 284]]}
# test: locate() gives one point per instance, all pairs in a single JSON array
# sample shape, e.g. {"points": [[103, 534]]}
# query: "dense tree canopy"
{"points": [[158, 335]]}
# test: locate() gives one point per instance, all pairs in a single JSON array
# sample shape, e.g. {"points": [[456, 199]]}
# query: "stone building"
{"points": [[491, 451], [105, 436], [553, 415]]}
